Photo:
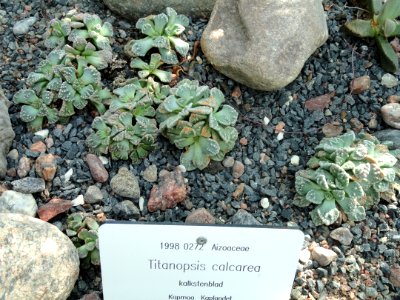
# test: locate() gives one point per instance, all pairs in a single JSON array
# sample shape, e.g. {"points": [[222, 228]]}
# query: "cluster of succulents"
{"points": [[53, 81], [151, 68], [381, 26], [162, 31], [348, 174], [127, 130], [83, 232], [192, 118], [83, 36]]}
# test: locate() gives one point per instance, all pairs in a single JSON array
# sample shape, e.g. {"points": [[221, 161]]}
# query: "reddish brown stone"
{"points": [[91, 296], [98, 171], [53, 208], [3, 188], [170, 191], [356, 124], [200, 216], [12, 172], [360, 84], [39, 146], [395, 276], [243, 141], [239, 191], [238, 169], [46, 166], [319, 103], [332, 129]]}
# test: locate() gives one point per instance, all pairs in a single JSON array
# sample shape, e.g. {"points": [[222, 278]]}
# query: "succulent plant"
{"points": [[153, 89], [123, 135], [35, 109], [134, 99], [78, 88], [151, 68], [79, 25], [85, 53], [47, 77], [192, 118], [83, 232], [84, 38], [348, 174], [162, 32], [381, 26]]}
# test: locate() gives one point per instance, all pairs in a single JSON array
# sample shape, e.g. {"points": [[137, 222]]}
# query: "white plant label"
{"points": [[194, 262]]}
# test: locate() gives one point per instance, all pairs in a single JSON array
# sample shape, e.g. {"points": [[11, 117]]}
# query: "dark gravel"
{"points": [[362, 269]]}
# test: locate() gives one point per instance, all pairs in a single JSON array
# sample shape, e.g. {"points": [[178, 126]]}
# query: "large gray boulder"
{"points": [[37, 260], [263, 43], [6, 133], [135, 9]]}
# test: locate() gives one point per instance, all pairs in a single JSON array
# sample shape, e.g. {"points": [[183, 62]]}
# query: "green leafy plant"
{"points": [[192, 118], [84, 38], [382, 25], [79, 88], [83, 232], [151, 88], [126, 131], [162, 32], [34, 109], [151, 68], [348, 174]]}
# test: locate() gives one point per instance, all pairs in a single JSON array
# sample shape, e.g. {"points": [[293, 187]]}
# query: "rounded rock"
{"points": [[93, 195], [49, 274], [391, 114], [98, 171], [343, 235], [200, 216], [18, 203], [125, 184]]}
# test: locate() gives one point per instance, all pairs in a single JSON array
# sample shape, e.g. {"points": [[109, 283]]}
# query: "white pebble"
{"points": [[181, 168], [305, 256], [389, 80], [104, 160], [295, 160], [266, 120], [78, 201], [67, 176], [264, 203], [280, 136], [141, 203], [42, 133]]}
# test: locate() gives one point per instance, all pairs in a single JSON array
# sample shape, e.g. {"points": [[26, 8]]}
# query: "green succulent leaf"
{"points": [[390, 10], [327, 212], [361, 28], [389, 59]]}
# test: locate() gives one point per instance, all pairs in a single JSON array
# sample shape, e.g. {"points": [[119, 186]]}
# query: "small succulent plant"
{"points": [[123, 135], [84, 38], [78, 88], [192, 118], [151, 68], [35, 110], [153, 89], [348, 174], [83, 231], [162, 32], [381, 26]]}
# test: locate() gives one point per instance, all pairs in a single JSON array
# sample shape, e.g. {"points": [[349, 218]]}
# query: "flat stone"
{"points": [[22, 26], [323, 256], [305, 256], [29, 185], [264, 203], [263, 43], [343, 235], [242, 217], [200, 216], [18, 203], [93, 195], [125, 184], [38, 261], [44, 133], [170, 191], [135, 9], [319, 103], [6, 133], [53, 208], [126, 210], [391, 114], [98, 171], [228, 162], [46, 166], [38, 146]]}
